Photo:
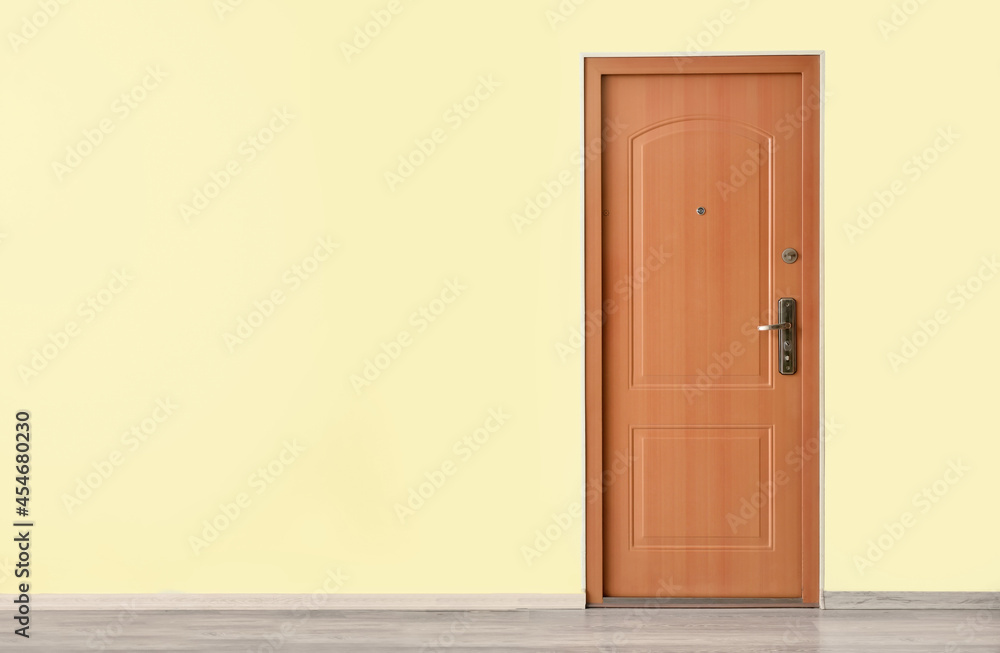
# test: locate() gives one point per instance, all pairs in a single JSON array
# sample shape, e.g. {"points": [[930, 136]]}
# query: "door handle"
{"points": [[787, 351]]}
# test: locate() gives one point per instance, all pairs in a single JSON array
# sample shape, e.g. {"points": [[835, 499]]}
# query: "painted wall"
{"points": [[263, 287]]}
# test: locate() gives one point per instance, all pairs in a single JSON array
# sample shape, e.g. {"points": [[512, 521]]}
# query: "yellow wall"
{"points": [[344, 454]]}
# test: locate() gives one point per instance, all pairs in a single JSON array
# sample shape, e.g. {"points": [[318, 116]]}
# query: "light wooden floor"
{"points": [[598, 630]]}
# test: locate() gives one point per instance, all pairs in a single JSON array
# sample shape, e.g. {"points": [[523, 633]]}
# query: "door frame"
{"points": [[811, 65]]}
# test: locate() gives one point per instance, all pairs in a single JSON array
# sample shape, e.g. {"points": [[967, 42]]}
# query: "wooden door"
{"points": [[710, 173]]}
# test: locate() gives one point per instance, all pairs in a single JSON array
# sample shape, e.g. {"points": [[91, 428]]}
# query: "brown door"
{"points": [[714, 174]]}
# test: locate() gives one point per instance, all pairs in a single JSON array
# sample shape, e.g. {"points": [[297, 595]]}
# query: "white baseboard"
{"points": [[333, 601], [911, 600], [454, 602]]}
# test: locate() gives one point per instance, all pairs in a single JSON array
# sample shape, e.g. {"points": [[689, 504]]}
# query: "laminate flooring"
{"points": [[619, 630]]}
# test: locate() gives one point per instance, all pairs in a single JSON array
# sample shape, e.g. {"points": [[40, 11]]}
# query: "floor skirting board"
{"points": [[911, 600], [320, 601], [454, 602]]}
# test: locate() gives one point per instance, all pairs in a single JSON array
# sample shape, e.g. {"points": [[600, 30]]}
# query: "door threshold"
{"points": [[671, 602]]}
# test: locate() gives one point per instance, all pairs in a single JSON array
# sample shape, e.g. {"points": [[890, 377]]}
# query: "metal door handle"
{"points": [[787, 351]]}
